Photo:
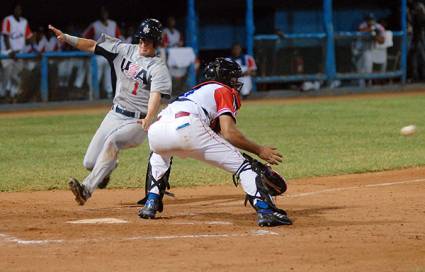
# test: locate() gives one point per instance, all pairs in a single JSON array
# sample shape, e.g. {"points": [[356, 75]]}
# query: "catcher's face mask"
{"points": [[236, 84]]}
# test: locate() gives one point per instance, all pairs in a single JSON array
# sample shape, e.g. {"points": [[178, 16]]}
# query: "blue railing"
{"points": [[330, 73], [44, 63], [330, 64]]}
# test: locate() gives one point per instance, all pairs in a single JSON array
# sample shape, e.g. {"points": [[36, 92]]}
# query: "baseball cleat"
{"points": [[104, 183], [80, 192], [269, 218], [151, 206]]}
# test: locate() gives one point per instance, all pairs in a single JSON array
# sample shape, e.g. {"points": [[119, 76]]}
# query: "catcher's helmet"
{"points": [[150, 29], [225, 71]]}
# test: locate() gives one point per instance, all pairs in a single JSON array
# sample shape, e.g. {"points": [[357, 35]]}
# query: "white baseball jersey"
{"points": [[171, 37], [133, 76], [52, 44], [17, 30], [38, 47], [96, 29], [209, 100]]}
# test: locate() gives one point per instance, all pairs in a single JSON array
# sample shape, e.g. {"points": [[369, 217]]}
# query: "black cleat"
{"points": [[269, 218], [80, 192], [150, 209], [104, 183]]}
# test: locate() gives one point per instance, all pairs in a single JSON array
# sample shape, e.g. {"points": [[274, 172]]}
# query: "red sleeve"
{"points": [[225, 101], [89, 32], [6, 26], [28, 32], [117, 32], [251, 63]]}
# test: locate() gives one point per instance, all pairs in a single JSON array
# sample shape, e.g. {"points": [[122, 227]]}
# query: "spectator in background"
{"points": [[66, 66], [364, 63], [110, 28], [38, 43], [248, 66], [16, 32], [171, 37], [379, 51], [52, 43], [129, 31], [178, 58]]}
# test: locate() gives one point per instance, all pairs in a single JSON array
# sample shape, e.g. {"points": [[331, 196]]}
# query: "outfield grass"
{"points": [[317, 139]]}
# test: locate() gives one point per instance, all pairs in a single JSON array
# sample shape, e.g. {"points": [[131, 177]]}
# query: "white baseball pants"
{"points": [[188, 136], [116, 132]]}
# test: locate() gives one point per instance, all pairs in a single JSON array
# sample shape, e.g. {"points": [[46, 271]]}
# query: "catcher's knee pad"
{"points": [[268, 182], [162, 184]]}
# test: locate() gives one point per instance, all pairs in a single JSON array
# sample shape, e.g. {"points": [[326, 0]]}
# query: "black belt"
{"points": [[128, 113]]}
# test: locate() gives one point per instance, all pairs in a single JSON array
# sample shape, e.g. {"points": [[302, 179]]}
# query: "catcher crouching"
{"points": [[201, 124]]}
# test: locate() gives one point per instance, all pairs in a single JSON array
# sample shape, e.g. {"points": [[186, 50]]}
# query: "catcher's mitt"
{"points": [[274, 183]]}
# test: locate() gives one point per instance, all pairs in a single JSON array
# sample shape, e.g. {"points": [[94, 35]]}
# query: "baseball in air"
{"points": [[408, 130]]}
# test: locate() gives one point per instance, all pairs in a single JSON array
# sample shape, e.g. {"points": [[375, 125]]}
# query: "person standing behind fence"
{"points": [[16, 32], [248, 66], [109, 27], [66, 66], [171, 37], [364, 63]]}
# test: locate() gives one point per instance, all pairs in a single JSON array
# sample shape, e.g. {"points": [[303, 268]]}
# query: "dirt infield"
{"points": [[367, 222]]}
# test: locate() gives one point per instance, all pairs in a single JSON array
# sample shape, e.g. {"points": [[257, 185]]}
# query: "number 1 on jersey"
{"points": [[136, 86]]}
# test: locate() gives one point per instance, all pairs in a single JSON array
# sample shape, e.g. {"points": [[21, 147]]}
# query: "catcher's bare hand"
{"points": [[270, 154], [58, 33]]}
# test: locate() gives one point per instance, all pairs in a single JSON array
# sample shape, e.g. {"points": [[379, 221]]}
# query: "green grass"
{"points": [[317, 138]]}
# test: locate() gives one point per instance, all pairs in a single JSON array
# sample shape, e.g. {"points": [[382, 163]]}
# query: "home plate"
{"points": [[99, 221]]}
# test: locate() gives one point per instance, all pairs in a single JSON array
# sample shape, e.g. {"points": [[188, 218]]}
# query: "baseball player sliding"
{"points": [[140, 78], [201, 124]]}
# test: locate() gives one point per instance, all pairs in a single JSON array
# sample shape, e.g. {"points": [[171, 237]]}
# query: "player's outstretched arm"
{"points": [[232, 134], [82, 44]]}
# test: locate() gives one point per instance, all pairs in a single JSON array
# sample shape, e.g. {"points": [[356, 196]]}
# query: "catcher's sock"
{"points": [[261, 205]]}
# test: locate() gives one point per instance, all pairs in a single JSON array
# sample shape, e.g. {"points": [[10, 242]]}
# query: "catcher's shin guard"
{"points": [[162, 184], [268, 182]]}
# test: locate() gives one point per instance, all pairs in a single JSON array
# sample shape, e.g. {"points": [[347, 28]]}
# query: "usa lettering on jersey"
{"points": [[134, 71]]}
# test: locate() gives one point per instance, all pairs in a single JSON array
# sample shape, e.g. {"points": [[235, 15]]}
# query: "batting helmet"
{"points": [[225, 71], [150, 29]]}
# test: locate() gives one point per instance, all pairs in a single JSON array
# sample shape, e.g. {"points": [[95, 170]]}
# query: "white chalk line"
{"points": [[12, 239], [356, 187], [202, 223], [221, 235], [106, 220]]}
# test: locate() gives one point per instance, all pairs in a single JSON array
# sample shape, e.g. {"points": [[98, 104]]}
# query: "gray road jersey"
{"points": [[133, 76]]}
